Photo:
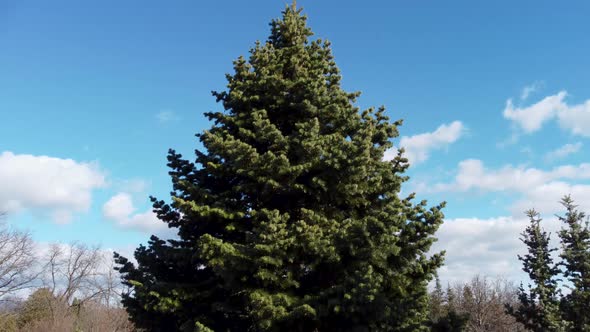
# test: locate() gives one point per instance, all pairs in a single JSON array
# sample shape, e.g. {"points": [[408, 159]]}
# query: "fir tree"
{"points": [[575, 243], [451, 297], [438, 308], [443, 314], [451, 322], [290, 219], [538, 309]]}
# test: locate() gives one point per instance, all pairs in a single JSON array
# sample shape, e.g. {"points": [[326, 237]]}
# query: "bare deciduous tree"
{"points": [[17, 260], [86, 289], [483, 300], [107, 283], [70, 271], [77, 287]]}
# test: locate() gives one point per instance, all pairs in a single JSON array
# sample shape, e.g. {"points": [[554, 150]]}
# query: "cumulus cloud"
{"points": [[485, 246], [563, 151], [418, 147], [545, 198], [121, 210], [532, 118], [54, 186], [472, 174], [538, 188], [574, 118]]}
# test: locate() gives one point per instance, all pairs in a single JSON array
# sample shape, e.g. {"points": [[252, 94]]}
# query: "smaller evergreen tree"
{"points": [[575, 255], [437, 302], [538, 309], [451, 322], [451, 297], [444, 316], [467, 298]]}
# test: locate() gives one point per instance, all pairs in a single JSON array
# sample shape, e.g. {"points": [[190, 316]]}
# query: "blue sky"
{"points": [[93, 94]]}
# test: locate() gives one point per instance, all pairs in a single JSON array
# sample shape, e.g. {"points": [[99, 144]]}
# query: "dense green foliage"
{"points": [[452, 321], [289, 219], [539, 306], [575, 255], [37, 307], [542, 308], [443, 312]]}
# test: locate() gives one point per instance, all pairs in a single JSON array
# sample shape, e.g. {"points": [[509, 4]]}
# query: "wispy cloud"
{"points": [[563, 151], [532, 118], [418, 147], [576, 119], [573, 118], [135, 185], [530, 89], [166, 116]]}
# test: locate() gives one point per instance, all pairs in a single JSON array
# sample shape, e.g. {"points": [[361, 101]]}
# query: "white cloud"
{"points": [[121, 210], [53, 186], [538, 188], [512, 139], [472, 174], [545, 198], [418, 147], [563, 151], [119, 207], [166, 116], [532, 118], [529, 89], [574, 118], [485, 246]]}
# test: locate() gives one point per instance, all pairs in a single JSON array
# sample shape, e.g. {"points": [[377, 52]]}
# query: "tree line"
{"points": [[66, 288], [557, 299]]}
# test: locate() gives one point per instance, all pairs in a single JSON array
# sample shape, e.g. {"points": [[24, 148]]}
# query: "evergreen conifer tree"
{"points": [[438, 307], [538, 309], [290, 219], [451, 297], [443, 314], [451, 322], [575, 255]]}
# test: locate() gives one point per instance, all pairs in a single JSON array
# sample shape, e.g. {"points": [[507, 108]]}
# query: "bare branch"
{"points": [[80, 272], [17, 261]]}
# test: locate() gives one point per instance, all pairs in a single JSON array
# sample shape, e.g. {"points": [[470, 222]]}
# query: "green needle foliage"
{"points": [[289, 219], [443, 316], [538, 309], [575, 255], [543, 308]]}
